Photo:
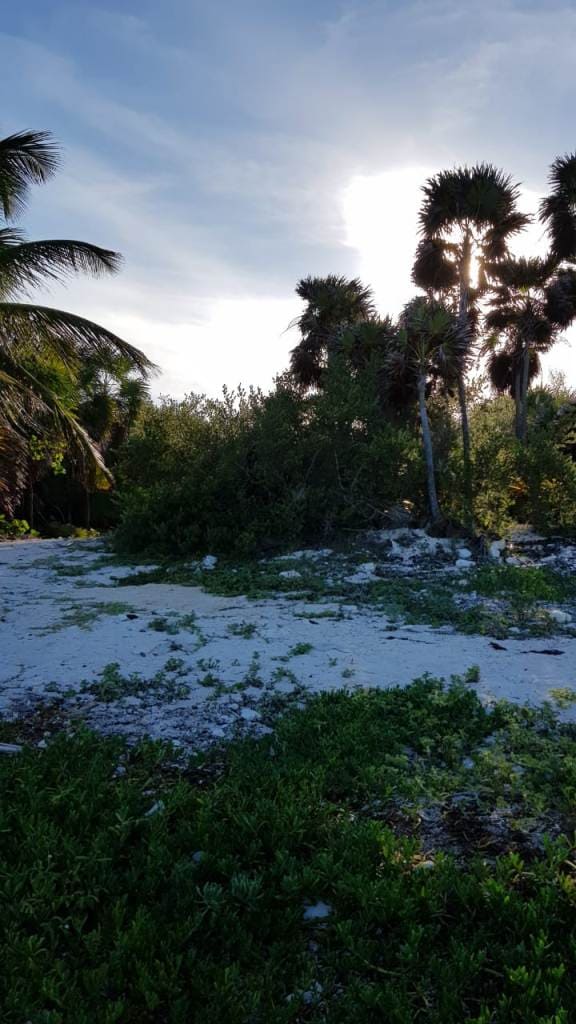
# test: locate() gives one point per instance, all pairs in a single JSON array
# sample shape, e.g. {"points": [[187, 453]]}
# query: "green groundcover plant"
{"points": [[346, 868]]}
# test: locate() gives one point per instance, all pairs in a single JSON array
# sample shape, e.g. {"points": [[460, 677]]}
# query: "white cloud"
{"points": [[291, 147], [243, 341]]}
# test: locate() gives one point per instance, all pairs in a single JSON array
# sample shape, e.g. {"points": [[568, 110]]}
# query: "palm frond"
{"points": [[434, 338], [560, 298], [433, 269], [505, 365], [321, 292], [13, 467], [522, 272], [333, 304], [306, 366], [26, 158], [35, 404], [558, 209], [71, 338], [482, 196], [25, 264], [495, 242], [501, 318]]}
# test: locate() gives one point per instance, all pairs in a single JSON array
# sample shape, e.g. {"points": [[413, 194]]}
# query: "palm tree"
{"points": [[531, 304], [111, 397], [427, 351], [467, 216], [535, 298], [333, 305], [558, 210], [27, 402]]}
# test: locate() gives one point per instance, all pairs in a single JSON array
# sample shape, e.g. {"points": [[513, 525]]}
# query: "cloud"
{"points": [[229, 149]]}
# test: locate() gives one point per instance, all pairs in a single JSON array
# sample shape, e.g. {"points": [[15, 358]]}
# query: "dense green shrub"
{"points": [[254, 471], [514, 483], [10, 529]]}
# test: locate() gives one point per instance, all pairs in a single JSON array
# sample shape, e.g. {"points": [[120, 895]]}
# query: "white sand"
{"points": [[39, 651]]}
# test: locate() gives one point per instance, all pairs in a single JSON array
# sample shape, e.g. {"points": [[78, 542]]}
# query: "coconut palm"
{"points": [[28, 331], [427, 351], [333, 305], [467, 218], [111, 397], [531, 304]]}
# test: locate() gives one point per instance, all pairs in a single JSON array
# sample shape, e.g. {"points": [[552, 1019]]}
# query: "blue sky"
{"points": [[229, 147]]}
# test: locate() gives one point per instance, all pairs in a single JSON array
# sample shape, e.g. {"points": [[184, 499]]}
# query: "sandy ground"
{"points": [[225, 663]]}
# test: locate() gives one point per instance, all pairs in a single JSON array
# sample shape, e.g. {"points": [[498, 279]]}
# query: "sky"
{"points": [[228, 148]]}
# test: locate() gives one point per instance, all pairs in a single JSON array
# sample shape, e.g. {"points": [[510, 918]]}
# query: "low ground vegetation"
{"points": [[491, 599], [403, 854]]}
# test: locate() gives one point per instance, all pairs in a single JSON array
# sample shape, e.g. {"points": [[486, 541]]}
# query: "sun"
{"points": [[380, 213], [381, 222]]}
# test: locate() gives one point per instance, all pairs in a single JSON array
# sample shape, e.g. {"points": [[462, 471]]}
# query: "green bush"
{"points": [[257, 472], [253, 472], [533, 484], [10, 529]]}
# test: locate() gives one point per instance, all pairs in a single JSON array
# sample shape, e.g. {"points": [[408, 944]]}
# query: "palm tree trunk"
{"points": [[463, 311], [522, 416], [465, 423], [31, 504], [428, 451], [517, 398]]}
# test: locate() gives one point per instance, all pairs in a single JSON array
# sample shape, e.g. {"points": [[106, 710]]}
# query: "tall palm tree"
{"points": [[467, 217], [27, 402], [558, 209], [333, 305], [535, 299], [427, 351], [531, 305]]}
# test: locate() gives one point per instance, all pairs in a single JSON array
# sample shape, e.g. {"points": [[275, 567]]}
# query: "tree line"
{"points": [[68, 387], [71, 391], [477, 300]]}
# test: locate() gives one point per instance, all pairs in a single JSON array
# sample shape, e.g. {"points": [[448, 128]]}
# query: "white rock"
{"points": [[305, 553], [10, 748], [364, 573], [249, 714], [198, 856], [317, 911], [290, 574], [464, 553], [496, 548], [525, 535], [209, 562], [218, 732], [464, 563], [562, 618]]}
